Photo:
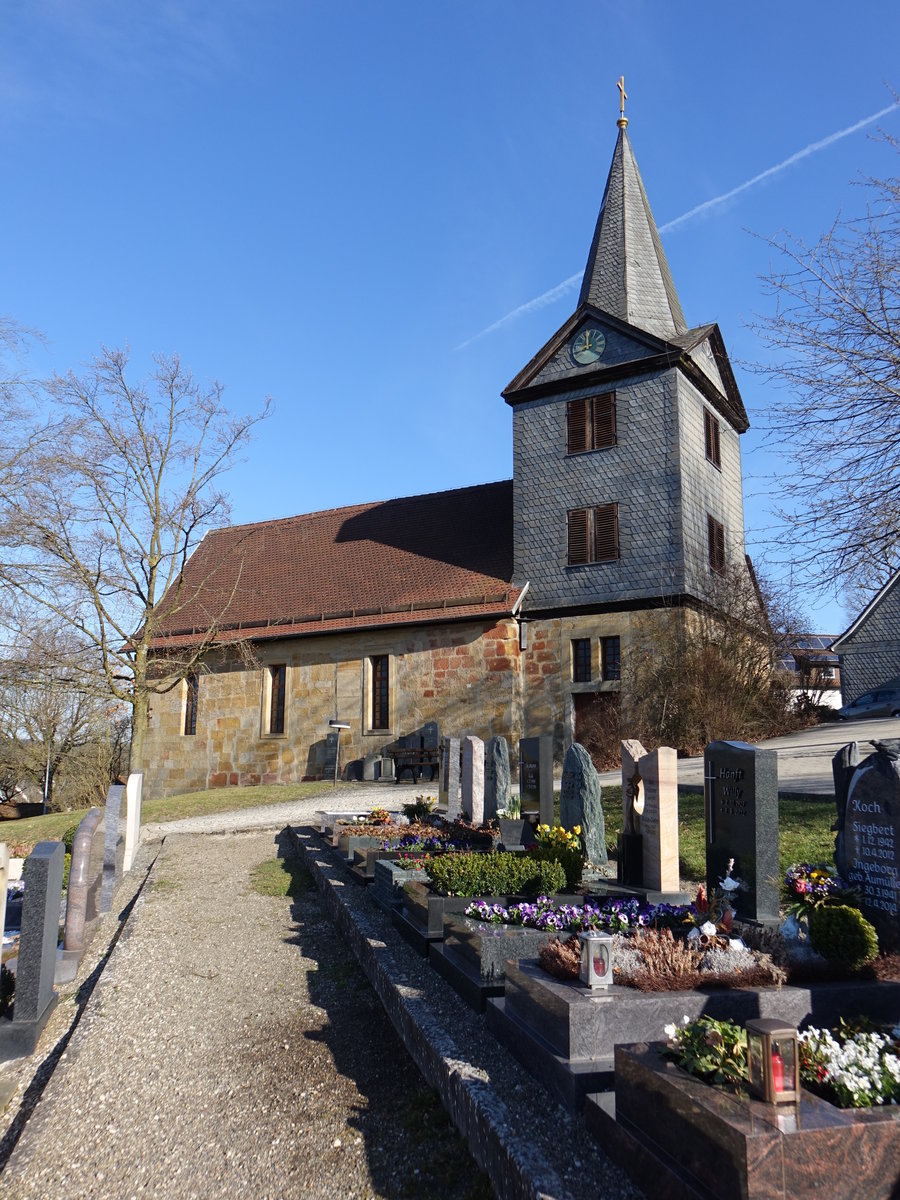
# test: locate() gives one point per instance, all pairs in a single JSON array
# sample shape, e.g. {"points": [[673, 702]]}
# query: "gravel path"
{"points": [[232, 1047]]}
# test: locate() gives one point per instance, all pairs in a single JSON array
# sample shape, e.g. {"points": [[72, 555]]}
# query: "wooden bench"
{"points": [[415, 760]]}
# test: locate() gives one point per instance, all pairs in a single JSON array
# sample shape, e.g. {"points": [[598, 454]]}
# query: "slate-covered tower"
{"points": [[627, 470]]}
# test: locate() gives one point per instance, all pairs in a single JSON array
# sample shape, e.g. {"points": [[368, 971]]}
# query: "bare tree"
{"points": [[836, 334], [101, 514]]}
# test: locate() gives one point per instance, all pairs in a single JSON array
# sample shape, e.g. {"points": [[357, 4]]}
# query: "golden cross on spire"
{"points": [[623, 96]]}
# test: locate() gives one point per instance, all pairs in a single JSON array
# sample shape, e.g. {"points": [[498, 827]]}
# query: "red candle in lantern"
{"points": [[777, 1071]]}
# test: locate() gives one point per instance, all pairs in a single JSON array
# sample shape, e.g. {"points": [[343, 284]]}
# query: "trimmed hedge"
{"points": [[495, 874], [842, 934]]}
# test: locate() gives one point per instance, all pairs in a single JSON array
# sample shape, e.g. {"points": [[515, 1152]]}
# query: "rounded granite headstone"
{"points": [[580, 804], [871, 849]]}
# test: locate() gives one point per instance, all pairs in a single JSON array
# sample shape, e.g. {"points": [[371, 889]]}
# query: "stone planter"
{"points": [[486, 947], [389, 879], [678, 1136], [515, 831]]}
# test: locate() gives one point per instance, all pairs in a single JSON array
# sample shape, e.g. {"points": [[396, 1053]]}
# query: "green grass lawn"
{"points": [[52, 827], [804, 832]]}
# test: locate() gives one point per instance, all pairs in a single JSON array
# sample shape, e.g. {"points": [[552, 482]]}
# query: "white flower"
{"points": [[708, 928], [671, 1031]]}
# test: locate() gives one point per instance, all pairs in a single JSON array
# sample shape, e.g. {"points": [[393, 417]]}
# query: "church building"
{"points": [[507, 608]]}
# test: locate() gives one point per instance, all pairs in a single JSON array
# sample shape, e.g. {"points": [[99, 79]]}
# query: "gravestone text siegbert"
{"points": [[867, 854], [740, 789]]}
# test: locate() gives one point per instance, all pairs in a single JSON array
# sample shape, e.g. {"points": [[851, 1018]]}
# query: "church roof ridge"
{"points": [[349, 509], [627, 273]]}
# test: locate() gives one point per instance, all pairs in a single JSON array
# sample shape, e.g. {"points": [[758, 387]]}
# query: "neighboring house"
{"points": [[869, 651], [507, 608], [816, 667]]}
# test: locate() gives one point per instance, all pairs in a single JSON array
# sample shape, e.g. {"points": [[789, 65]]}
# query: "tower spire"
{"points": [[627, 274]]}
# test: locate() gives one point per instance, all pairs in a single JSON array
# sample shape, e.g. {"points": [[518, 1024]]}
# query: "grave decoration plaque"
{"points": [[866, 847], [740, 790], [536, 778]]}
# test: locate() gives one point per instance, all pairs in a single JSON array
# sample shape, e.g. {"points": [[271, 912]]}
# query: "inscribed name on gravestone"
{"points": [[741, 800], [536, 777], [866, 855]]}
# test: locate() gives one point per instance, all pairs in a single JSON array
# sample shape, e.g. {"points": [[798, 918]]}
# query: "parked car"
{"points": [[883, 702]]}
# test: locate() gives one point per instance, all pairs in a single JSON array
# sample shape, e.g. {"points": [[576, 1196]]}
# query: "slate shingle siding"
{"points": [[871, 654], [657, 474]]}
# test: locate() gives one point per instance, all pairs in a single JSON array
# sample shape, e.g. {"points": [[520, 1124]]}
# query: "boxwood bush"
{"points": [[842, 934], [495, 874]]}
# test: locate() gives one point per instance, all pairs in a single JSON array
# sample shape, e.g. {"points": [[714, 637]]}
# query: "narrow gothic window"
{"points": [[593, 534], [191, 684], [591, 423], [712, 439], [581, 660], [716, 537], [380, 692], [277, 678], [610, 653]]}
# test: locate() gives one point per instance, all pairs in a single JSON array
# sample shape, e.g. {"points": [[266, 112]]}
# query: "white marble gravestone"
{"points": [[133, 793], [659, 819], [473, 779]]}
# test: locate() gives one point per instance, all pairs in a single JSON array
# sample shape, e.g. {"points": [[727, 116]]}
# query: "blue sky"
{"points": [[326, 202]]}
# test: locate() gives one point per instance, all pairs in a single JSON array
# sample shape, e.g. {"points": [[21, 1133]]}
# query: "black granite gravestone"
{"points": [[741, 799], [867, 846], [331, 750], [536, 777]]}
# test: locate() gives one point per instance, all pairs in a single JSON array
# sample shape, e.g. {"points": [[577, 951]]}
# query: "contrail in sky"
{"points": [[561, 288]]}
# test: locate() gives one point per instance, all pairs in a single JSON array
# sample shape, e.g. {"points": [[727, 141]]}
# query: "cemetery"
{"points": [[602, 982], [737, 1034]]}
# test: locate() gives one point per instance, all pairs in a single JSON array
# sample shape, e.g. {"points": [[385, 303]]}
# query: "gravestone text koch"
{"points": [[867, 852], [740, 790]]}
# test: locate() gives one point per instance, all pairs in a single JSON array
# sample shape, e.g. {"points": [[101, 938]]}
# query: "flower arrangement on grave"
{"points": [[613, 916], [712, 1050], [564, 846], [421, 846], [379, 816], [810, 885], [852, 1066], [421, 809]]}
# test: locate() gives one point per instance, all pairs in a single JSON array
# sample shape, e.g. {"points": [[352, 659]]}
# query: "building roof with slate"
{"points": [[420, 559], [627, 273]]}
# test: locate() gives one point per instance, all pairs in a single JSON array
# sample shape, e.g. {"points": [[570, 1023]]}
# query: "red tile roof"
{"points": [[443, 556]]}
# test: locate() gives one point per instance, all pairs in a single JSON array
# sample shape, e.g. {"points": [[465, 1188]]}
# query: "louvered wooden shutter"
{"points": [[577, 422], [712, 438], [716, 536], [578, 535], [606, 532], [604, 414]]}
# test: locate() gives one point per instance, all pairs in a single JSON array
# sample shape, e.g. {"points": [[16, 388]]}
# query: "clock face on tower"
{"points": [[588, 345]]}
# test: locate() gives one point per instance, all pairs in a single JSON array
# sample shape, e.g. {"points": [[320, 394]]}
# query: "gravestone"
{"points": [[740, 789], [431, 735], [659, 819], [133, 793], [114, 847], [536, 777], [867, 845], [473, 779], [4, 880], [385, 769], [449, 782], [630, 866], [35, 998], [368, 772], [331, 755], [496, 777], [83, 894], [579, 802]]}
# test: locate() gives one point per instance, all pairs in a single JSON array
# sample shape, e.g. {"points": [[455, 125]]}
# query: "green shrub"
{"points": [[495, 874], [842, 934], [68, 838], [571, 860], [420, 809]]}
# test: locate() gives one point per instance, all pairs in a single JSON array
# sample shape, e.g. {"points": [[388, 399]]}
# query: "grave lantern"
{"points": [[773, 1061], [596, 959]]}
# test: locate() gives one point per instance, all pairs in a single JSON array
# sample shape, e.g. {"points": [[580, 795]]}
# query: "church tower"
{"points": [[626, 425]]}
